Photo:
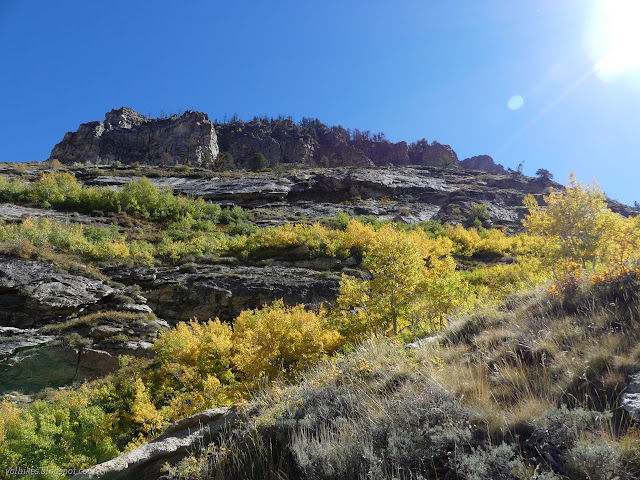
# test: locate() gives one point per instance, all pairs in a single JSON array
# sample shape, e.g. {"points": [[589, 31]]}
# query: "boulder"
{"points": [[631, 397], [97, 362], [181, 438]]}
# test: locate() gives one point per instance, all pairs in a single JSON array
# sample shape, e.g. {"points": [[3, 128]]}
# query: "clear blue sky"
{"points": [[410, 68]]}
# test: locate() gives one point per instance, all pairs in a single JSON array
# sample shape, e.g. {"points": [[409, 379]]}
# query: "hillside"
{"points": [[313, 280], [181, 279], [513, 392]]}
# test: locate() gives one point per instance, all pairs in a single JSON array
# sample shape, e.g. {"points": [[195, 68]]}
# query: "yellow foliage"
{"points": [[430, 248], [624, 241], [357, 236], [9, 418], [413, 284], [576, 224], [278, 340], [119, 249], [466, 241], [195, 357], [143, 411], [56, 188], [492, 284]]}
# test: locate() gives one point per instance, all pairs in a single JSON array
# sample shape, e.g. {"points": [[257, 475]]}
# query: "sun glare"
{"points": [[615, 38]]}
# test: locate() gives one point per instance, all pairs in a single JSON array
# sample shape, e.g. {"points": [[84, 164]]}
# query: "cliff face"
{"points": [[192, 139], [128, 137], [313, 143]]}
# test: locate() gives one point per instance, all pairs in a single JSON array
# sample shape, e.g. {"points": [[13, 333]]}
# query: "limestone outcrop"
{"points": [[433, 155], [126, 136], [313, 143], [416, 193]]}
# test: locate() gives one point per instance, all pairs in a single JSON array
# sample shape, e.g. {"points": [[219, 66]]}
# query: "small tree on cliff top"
{"points": [[544, 173]]}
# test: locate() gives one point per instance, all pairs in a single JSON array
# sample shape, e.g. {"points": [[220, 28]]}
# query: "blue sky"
{"points": [[444, 71]]}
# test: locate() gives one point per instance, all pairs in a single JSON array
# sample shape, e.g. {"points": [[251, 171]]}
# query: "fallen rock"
{"points": [[181, 438]]}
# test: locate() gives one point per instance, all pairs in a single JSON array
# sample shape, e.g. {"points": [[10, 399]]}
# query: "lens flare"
{"points": [[614, 38], [515, 102]]}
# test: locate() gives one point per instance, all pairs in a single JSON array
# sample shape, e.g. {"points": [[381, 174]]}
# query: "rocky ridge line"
{"points": [[192, 139]]}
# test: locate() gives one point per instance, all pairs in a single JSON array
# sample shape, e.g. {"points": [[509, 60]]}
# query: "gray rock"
{"points": [[422, 342], [432, 154], [136, 307], [631, 397], [223, 291], [100, 332], [98, 362], [13, 339], [33, 293], [126, 136], [31, 369], [410, 193], [484, 163], [12, 213], [181, 438]]}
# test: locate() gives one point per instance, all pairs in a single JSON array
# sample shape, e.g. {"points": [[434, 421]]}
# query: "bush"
{"points": [[544, 173], [278, 340], [490, 463], [66, 431], [226, 162], [258, 162], [595, 460], [193, 368]]}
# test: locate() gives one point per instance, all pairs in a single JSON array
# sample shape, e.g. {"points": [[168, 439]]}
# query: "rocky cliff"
{"points": [[192, 139], [126, 136], [408, 194]]}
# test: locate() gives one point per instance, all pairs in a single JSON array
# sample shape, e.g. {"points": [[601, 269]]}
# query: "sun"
{"points": [[615, 38]]}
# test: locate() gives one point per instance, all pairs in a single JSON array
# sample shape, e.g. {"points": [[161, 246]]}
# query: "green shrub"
{"points": [[226, 162], [595, 460], [258, 162], [64, 432], [492, 462]]}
